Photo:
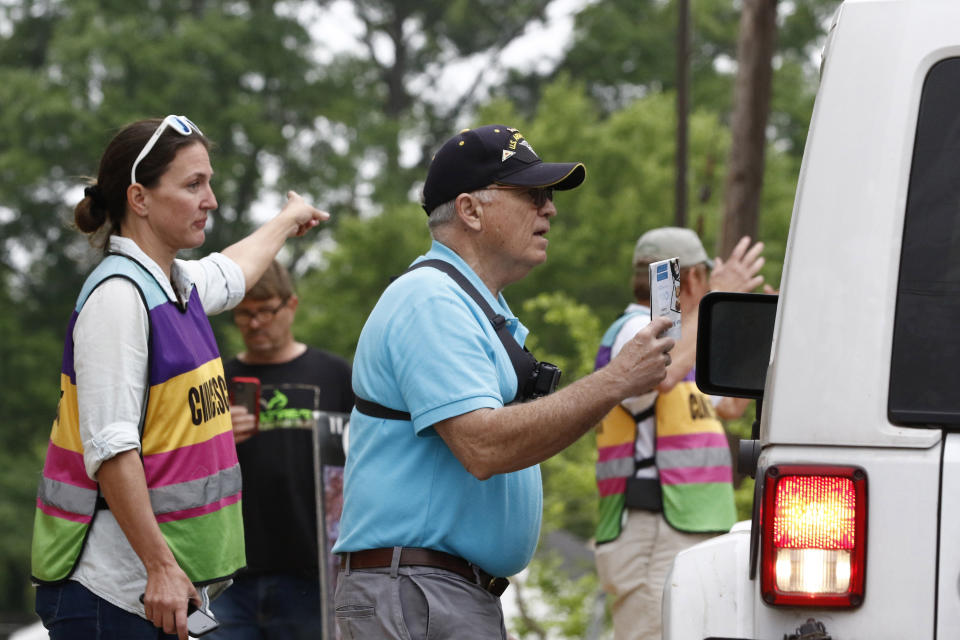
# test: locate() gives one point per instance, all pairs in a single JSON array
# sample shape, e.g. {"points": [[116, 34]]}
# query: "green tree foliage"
{"points": [[393, 107], [239, 70], [639, 37], [636, 40], [570, 591], [336, 298], [32, 355]]}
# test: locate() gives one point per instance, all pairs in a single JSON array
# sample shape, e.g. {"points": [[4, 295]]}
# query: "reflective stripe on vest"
{"points": [[189, 457]]}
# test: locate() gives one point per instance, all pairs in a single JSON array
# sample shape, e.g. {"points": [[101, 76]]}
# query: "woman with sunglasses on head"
{"points": [[138, 511]]}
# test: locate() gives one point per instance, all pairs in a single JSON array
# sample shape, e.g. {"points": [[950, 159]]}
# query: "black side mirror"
{"points": [[734, 336]]}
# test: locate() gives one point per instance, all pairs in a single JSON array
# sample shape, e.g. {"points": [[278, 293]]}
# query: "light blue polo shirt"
{"points": [[429, 350]]}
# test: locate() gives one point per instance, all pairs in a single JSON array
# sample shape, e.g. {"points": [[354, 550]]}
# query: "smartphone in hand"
{"points": [[245, 392], [199, 621], [665, 293]]}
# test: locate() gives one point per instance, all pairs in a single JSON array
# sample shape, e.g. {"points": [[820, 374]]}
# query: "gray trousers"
{"points": [[415, 603]]}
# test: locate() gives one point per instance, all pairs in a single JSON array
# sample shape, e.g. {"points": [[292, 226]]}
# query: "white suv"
{"points": [[856, 525]]}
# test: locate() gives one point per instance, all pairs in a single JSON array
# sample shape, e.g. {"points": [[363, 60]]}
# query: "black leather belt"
{"points": [[412, 556]]}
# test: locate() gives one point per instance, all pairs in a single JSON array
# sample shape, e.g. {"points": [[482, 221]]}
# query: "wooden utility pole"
{"points": [[751, 100], [683, 110]]}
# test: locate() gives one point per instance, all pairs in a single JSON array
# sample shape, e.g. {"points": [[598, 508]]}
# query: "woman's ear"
{"points": [[137, 199]]}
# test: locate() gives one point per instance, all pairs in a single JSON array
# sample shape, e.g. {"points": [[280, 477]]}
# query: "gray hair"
{"points": [[444, 213]]}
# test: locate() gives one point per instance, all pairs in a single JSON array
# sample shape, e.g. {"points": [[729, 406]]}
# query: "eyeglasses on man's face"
{"points": [[539, 195], [181, 124], [243, 317]]}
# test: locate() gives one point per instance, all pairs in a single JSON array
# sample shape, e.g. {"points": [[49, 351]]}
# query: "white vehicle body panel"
{"points": [[948, 587], [839, 284], [702, 592]]}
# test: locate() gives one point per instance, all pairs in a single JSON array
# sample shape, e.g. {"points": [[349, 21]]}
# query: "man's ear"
{"points": [[691, 279], [686, 281], [137, 199], [470, 211]]}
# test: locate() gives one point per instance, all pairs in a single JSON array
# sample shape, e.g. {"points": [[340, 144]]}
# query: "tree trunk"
{"points": [[758, 30], [683, 109]]}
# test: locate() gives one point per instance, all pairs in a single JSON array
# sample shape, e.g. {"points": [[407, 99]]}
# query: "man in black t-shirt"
{"points": [[302, 390]]}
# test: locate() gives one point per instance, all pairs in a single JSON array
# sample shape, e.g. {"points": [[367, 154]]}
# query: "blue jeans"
{"points": [[268, 607], [70, 611]]}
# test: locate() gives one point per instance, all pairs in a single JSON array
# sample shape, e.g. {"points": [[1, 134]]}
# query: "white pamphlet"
{"points": [[665, 293]]}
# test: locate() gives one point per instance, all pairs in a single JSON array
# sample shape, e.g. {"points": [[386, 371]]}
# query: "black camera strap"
{"points": [[524, 364]]}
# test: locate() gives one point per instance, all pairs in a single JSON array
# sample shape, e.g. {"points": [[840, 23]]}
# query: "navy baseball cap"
{"points": [[492, 154]]}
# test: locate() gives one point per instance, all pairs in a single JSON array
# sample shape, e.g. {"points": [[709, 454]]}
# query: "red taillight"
{"points": [[814, 522]]}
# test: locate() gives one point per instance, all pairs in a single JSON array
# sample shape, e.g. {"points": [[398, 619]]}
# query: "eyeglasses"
{"points": [[243, 317], [181, 124], [539, 195]]}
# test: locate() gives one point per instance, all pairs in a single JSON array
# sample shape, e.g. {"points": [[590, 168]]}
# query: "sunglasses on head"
{"points": [[181, 124]]}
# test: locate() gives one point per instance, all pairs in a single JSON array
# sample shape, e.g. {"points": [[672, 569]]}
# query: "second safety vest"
{"points": [[692, 458]]}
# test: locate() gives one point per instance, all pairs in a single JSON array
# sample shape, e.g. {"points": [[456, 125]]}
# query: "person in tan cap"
{"points": [[663, 467], [442, 495]]}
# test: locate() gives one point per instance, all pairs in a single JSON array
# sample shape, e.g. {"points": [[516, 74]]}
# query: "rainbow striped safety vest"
{"points": [[187, 447], [692, 458]]}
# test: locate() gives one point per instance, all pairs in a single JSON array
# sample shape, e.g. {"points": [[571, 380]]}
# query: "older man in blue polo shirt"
{"points": [[442, 492]]}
